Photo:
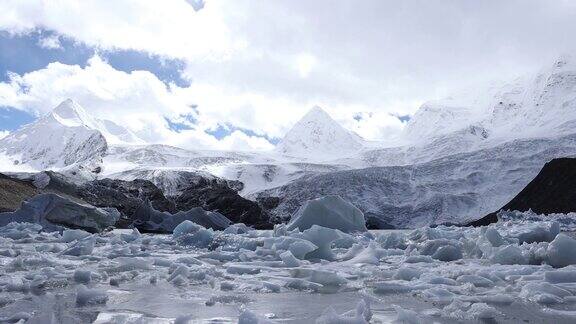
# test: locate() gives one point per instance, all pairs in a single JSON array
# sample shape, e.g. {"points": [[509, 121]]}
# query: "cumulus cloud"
{"points": [[3, 133], [138, 101], [260, 65], [172, 28]]}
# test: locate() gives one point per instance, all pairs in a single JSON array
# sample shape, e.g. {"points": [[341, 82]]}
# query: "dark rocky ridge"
{"points": [[553, 190], [128, 196], [214, 195]]}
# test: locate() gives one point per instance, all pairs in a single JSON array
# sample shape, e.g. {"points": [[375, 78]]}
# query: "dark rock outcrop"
{"points": [[13, 192], [53, 211], [125, 196], [217, 196], [553, 190], [210, 194]]}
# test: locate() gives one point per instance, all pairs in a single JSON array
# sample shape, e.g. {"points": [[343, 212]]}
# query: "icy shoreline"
{"points": [[444, 274]]}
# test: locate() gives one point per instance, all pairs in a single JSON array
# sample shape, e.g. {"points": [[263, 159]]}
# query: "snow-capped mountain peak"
{"points": [[60, 139], [71, 113], [317, 136]]}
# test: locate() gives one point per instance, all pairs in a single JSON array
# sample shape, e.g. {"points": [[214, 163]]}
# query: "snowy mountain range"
{"points": [[464, 158]]}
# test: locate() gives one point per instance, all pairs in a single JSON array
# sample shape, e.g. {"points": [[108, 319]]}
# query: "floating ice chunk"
{"points": [[561, 251], [188, 260], [84, 246], [538, 232], [448, 253], [239, 228], [477, 281], [70, 235], [439, 295], [184, 228], [323, 277], [369, 255], [181, 270], [53, 211], [419, 259], [322, 237], [531, 232], [133, 263], [86, 296], [289, 259], [18, 285], [297, 246], [394, 287], [132, 236], [500, 299], [510, 254], [440, 232], [352, 252], [361, 315], [560, 276], [331, 212], [407, 274], [179, 281], [279, 230], [407, 316], [494, 237], [392, 240], [233, 242], [442, 281], [82, 276], [189, 233], [301, 248], [301, 284], [482, 311], [227, 286], [249, 317], [242, 269], [544, 293], [432, 246], [18, 231]]}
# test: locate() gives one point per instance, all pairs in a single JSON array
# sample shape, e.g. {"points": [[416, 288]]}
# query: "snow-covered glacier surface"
{"points": [[512, 271]]}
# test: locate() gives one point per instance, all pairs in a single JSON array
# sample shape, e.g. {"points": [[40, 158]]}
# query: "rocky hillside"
{"points": [[127, 196]]}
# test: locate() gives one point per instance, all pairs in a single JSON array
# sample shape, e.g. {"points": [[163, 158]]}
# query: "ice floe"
{"points": [[329, 211], [454, 273]]}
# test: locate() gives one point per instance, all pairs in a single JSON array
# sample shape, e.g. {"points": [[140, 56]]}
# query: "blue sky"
{"points": [[22, 53]]}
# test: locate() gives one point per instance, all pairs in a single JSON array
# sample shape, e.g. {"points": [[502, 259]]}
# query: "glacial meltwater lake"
{"points": [[129, 277]]}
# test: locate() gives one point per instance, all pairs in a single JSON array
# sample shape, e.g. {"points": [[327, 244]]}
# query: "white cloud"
{"points": [[3, 133], [138, 101], [261, 64], [304, 64], [50, 42], [172, 27]]}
